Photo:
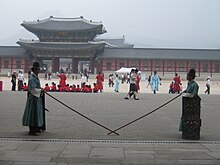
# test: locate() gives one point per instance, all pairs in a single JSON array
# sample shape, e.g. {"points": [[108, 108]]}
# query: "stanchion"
{"points": [[191, 121]]}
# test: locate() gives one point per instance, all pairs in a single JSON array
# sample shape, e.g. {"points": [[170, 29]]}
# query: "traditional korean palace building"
{"points": [[72, 42]]}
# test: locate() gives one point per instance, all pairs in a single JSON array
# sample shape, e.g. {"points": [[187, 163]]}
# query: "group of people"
{"points": [[33, 114], [134, 84], [72, 88], [20, 77]]}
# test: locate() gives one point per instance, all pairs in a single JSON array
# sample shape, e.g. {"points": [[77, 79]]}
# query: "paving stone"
{"points": [[107, 152]]}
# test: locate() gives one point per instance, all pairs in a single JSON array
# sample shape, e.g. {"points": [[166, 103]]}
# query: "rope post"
{"points": [[191, 121]]}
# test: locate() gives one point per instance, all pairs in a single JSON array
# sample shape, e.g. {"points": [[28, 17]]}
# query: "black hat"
{"points": [[36, 65], [192, 72]]}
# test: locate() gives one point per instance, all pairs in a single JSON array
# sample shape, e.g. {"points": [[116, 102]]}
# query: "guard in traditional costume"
{"points": [[33, 114], [190, 120]]}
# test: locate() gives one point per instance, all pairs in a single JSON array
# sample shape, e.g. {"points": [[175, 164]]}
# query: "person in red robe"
{"points": [[78, 89], [25, 87], [53, 87], [59, 89], [177, 83], [73, 89], [47, 88], [100, 79], [95, 88], [67, 88], [62, 77]]}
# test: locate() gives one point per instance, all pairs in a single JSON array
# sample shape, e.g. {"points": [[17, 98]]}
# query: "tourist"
{"points": [[155, 82], [208, 85], [133, 85], [20, 80], [13, 81], [171, 87], [148, 80], [33, 114], [117, 83]]}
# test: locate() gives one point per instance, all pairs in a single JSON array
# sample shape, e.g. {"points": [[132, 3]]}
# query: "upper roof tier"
{"points": [[65, 29]]}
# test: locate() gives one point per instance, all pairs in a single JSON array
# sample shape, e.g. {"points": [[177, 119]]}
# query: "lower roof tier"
{"points": [[66, 46]]}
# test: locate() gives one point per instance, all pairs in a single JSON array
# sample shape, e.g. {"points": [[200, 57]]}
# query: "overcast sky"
{"points": [[146, 23]]}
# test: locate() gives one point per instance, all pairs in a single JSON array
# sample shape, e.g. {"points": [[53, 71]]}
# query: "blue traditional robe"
{"points": [[155, 82], [33, 114]]}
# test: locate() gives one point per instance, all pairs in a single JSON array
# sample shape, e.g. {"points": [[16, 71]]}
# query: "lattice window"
{"points": [[18, 64], [109, 66], [6, 63], [216, 68], [205, 67]]}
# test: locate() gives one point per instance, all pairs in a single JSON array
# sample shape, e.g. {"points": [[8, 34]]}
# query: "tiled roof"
{"points": [[116, 43], [63, 24], [157, 53], [15, 51], [66, 46]]}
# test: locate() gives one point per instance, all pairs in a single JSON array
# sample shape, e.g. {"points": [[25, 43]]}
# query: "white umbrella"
{"points": [[124, 70]]}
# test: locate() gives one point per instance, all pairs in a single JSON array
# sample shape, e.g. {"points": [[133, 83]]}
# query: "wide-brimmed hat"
{"points": [[192, 72], [36, 65]]}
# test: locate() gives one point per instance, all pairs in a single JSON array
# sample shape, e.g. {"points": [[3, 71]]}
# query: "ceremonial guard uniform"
{"points": [[190, 120], [33, 114]]}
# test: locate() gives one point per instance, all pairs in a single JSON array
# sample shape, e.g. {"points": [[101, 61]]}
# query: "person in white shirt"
{"points": [[208, 85], [20, 79]]}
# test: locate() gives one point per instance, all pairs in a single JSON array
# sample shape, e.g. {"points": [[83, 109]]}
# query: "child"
{"points": [[67, 88], [47, 88], [73, 89], [171, 87], [95, 88], [59, 89], [78, 89], [25, 87], [53, 87]]}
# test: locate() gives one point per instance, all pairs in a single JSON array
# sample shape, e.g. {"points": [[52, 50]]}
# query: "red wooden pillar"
{"points": [[151, 66], [187, 66], [139, 65], [91, 67], [11, 64], [175, 66], [0, 64], [27, 65], [211, 67], [116, 67], [128, 63], [199, 68], [163, 67], [73, 64]]}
